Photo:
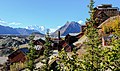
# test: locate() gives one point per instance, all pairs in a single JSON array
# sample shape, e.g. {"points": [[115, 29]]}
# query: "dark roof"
{"points": [[15, 53], [65, 45], [24, 50], [37, 42], [80, 35]]}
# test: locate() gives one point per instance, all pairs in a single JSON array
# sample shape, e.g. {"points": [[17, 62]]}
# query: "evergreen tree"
{"points": [[100, 58], [91, 61], [47, 53], [92, 58], [69, 63], [31, 55]]}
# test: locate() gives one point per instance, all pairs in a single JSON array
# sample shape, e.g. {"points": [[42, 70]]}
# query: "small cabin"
{"points": [[19, 55]]}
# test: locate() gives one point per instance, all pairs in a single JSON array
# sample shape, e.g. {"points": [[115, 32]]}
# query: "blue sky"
{"points": [[48, 13]]}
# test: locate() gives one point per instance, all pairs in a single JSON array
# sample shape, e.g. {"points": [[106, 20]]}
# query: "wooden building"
{"points": [[38, 42], [39, 46], [65, 45], [70, 39], [105, 33], [102, 13], [108, 9], [19, 55], [105, 11]]}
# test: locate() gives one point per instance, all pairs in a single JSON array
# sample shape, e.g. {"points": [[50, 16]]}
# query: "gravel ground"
{"points": [[3, 60]]}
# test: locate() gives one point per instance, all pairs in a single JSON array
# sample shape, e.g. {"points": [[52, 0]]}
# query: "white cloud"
{"points": [[15, 23], [4, 23], [80, 22]]}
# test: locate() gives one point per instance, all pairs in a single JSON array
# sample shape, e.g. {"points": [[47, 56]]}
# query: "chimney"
{"points": [[59, 35], [58, 41]]}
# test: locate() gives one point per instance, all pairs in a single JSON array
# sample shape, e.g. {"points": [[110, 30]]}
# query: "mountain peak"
{"points": [[69, 27], [68, 23]]}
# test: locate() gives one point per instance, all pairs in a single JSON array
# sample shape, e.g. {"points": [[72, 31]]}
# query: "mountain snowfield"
{"points": [[41, 29], [69, 27]]}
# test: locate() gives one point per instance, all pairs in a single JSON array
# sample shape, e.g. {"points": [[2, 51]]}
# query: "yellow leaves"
{"points": [[112, 25], [17, 66]]}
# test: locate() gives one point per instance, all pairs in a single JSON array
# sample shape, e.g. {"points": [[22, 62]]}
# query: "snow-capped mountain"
{"points": [[38, 28], [15, 31]]}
